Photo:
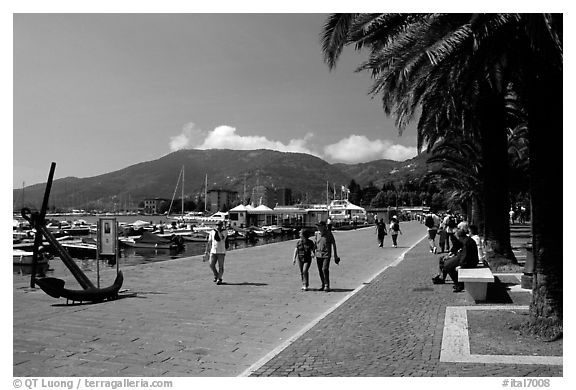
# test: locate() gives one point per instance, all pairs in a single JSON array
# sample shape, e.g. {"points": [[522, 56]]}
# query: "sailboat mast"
{"points": [[206, 193], [244, 199], [176, 189], [182, 190]]}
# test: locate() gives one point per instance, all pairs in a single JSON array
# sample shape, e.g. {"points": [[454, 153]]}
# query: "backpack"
{"points": [[396, 226], [429, 222], [451, 223]]}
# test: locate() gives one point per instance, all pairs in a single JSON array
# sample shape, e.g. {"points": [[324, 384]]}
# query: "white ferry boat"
{"points": [[343, 211], [213, 219]]}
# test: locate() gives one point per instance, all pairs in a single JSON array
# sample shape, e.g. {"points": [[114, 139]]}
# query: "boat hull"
{"points": [[77, 231], [26, 258], [145, 245]]}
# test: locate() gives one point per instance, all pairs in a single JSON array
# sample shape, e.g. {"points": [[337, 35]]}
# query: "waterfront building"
{"points": [[153, 205], [220, 199]]}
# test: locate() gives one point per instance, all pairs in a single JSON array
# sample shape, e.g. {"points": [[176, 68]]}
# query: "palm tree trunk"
{"points": [[494, 145], [477, 213], [545, 141]]}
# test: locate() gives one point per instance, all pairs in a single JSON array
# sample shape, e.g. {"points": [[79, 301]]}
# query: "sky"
{"points": [[96, 93]]}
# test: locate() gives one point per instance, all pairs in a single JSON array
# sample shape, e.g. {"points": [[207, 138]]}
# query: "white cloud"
{"points": [[353, 149], [225, 137], [188, 139], [358, 148]]}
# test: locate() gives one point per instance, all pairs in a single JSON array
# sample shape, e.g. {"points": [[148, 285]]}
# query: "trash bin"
{"points": [[528, 277]]}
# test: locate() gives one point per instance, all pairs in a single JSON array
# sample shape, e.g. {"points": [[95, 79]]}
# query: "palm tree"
{"points": [[433, 65], [460, 174], [518, 158], [456, 70], [541, 79]]}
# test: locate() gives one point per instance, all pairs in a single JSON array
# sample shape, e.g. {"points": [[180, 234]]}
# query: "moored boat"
{"points": [[80, 248], [151, 241], [77, 230], [272, 229], [25, 258]]}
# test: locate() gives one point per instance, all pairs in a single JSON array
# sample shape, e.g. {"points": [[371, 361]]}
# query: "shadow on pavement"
{"points": [[333, 290], [498, 292], [120, 296], [243, 284]]}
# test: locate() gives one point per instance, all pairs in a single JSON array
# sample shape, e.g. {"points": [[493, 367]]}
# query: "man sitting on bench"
{"points": [[467, 257]]}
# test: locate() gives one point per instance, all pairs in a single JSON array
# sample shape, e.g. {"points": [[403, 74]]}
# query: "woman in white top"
{"points": [[394, 230], [474, 235], [216, 247]]}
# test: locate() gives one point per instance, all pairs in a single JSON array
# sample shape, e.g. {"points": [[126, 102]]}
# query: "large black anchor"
{"points": [[53, 286]]}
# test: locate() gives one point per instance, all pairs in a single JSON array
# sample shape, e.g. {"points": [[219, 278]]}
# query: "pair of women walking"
{"points": [[382, 232], [321, 248]]}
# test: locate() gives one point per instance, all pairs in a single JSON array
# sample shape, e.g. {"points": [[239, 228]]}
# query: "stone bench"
{"points": [[476, 281]]}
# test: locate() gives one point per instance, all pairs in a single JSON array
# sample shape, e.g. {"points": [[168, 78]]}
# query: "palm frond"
{"points": [[335, 37]]}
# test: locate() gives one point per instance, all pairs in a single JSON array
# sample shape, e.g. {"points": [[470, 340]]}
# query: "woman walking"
{"points": [[303, 253], [394, 231], [381, 232]]}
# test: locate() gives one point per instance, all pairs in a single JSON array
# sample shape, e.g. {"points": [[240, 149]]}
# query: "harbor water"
{"points": [[135, 256]]}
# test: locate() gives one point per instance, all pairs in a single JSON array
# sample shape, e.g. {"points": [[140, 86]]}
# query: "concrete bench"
{"points": [[476, 281]]}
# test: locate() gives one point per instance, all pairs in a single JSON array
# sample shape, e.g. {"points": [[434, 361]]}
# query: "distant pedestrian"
{"points": [[394, 231], [381, 231], [216, 246], [522, 215], [512, 215], [463, 225], [432, 222], [303, 254], [323, 252], [442, 236], [450, 227]]}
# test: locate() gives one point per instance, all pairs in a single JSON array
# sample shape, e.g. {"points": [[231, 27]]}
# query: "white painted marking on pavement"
{"points": [[456, 342]]}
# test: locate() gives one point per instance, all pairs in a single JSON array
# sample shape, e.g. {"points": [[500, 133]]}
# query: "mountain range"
{"points": [[306, 175]]}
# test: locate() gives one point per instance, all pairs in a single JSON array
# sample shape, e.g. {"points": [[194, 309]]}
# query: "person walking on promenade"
{"points": [[216, 246], [323, 252], [381, 231], [442, 236], [303, 253], [467, 257], [450, 227], [432, 222], [394, 231]]}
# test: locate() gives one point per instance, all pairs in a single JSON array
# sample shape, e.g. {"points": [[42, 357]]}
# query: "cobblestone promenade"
{"points": [[178, 322]]}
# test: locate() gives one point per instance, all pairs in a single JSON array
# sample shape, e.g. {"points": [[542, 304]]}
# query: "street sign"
{"points": [[107, 236]]}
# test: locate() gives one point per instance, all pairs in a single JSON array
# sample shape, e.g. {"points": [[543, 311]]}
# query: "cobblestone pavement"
{"points": [[174, 321], [391, 328]]}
